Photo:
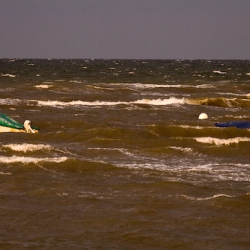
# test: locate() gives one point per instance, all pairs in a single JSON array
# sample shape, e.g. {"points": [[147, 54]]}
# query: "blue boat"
{"points": [[243, 124]]}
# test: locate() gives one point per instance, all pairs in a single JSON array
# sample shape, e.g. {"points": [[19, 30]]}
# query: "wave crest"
{"points": [[219, 142], [27, 147], [22, 159], [171, 100]]}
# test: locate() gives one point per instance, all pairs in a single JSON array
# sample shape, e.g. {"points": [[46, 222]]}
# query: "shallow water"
{"points": [[121, 160]]}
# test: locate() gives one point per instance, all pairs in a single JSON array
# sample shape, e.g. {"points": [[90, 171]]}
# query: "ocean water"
{"points": [[121, 160]]}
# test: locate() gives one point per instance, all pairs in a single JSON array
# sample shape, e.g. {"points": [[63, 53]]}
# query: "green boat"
{"points": [[8, 124]]}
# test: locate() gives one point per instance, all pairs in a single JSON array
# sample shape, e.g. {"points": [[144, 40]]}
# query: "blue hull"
{"points": [[244, 124]]}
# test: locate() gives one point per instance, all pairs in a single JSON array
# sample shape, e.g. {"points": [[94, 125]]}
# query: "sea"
{"points": [[121, 160]]}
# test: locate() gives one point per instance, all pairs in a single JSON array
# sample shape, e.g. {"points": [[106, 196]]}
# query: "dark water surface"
{"points": [[122, 160]]}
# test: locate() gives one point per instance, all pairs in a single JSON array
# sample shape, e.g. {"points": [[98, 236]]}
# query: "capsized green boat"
{"points": [[8, 124]]}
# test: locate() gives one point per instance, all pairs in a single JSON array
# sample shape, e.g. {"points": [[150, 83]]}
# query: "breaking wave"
{"points": [[220, 142], [206, 198], [26, 160], [43, 86], [27, 147], [220, 102], [156, 102]]}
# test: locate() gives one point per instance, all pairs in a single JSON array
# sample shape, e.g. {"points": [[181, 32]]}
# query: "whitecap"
{"points": [[220, 142], [153, 86], [206, 198], [205, 86], [6, 173], [9, 101], [63, 194], [186, 150], [9, 75], [156, 102], [77, 103], [43, 86], [219, 72], [191, 127], [27, 147], [171, 100], [25, 160]]}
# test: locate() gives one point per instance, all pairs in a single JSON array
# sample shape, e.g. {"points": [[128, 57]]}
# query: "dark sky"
{"points": [[125, 29]]}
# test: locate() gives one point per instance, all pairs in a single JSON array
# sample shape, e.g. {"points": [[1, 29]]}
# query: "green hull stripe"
{"points": [[6, 121]]}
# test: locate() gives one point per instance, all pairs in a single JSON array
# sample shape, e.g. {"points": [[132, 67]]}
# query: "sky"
{"points": [[125, 29]]}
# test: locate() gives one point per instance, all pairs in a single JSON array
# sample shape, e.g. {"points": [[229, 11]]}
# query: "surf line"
{"points": [[157, 102]]}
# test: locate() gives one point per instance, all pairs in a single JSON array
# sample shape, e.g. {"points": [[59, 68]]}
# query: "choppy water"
{"points": [[121, 160]]}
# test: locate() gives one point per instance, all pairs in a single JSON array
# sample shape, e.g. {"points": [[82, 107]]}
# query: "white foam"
{"points": [[186, 150], [76, 81], [171, 100], [63, 194], [231, 94], [8, 101], [205, 86], [199, 173], [9, 75], [2, 173], [206, 198], [77, 103], [25, 160], [27, 147], [219, 142], [153, 86], [190, 127], [43, 86], [219, 72]]}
